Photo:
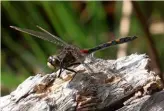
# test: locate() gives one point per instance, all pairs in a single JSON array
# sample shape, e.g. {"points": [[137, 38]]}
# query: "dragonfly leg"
{"points": [[61, 67], [70, 70], [76, 63]]}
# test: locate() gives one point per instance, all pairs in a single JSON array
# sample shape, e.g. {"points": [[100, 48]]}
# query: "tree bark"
{"points": [[125, 84]]}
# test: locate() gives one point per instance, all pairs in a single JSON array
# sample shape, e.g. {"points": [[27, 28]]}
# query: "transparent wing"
{"points": [[53, 36], [43, 35], [81, 59]]}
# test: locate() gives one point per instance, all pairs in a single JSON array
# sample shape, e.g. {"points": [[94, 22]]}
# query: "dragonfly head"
{"points": [[53, 62]]}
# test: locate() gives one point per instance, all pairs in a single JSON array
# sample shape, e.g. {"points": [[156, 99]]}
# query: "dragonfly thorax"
{"points": [[64, 59]]}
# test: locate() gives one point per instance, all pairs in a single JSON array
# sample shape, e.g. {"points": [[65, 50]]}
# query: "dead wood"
{"points": [[124, 84]]}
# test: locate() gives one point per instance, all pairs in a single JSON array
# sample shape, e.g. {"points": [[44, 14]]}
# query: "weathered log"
{"points": [[124, 84]]}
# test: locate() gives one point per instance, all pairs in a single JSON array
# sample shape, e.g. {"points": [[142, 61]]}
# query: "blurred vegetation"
{"points": [[85, 24]]}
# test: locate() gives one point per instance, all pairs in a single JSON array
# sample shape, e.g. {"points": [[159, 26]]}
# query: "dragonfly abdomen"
{"points": [[111, 43]]}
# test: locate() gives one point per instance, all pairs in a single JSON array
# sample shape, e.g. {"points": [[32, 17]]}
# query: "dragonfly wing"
{"points": [[42, 35], [80, 58], [53, 36]]}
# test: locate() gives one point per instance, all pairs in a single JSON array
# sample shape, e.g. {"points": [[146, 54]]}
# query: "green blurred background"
{"points": [[85, 24]]}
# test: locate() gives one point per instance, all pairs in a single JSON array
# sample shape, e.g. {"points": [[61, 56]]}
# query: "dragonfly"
{"points": [[69, 55]]}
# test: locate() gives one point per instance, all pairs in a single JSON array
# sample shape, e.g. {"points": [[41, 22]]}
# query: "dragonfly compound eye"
{"points": [[52, 62]]}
